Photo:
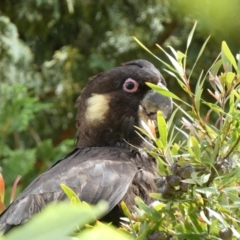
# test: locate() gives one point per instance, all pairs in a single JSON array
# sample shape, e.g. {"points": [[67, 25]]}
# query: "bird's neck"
{"points": [[85, 143]]}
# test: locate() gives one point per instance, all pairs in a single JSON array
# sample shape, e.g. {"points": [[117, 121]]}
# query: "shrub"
{"points": [[199, 172]]}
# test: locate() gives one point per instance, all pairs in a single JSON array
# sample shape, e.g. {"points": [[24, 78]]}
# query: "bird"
{"points": [[109, 161]]}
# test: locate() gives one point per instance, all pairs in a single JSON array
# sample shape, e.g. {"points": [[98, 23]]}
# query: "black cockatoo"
{"points": [[108, 162]]}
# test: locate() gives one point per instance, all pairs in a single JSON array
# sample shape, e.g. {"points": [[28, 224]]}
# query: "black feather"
{"points": [[103, 165]]}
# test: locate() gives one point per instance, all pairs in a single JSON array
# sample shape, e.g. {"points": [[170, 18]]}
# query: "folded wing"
{"points": [[93, 173]]}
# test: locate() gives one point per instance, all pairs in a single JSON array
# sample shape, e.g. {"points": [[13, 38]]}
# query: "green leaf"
{"points": [[226, 51], [70, 5], [103, 232], [204, 217], [157, 196], [198, 92], [194, 218], [174, 52], [189, 236], [174, 149], [163, 91], [160, 144], [162, 128], [189, 180], [190, 36], [195, 147], [199, 55], [145, 131], [143, 235], [217, 216], [146, 49], [214, 107], [235, 232], [56, 222], [125, 209], [207, 191], [189, 40], [215, 68], [190, 149], [70, 193], [229, 79], [180, 82], [180, 56], [152, 213], [174, 62]]}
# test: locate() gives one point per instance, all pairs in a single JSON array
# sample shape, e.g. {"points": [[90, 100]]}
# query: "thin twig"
{"points": [[233, 147]]}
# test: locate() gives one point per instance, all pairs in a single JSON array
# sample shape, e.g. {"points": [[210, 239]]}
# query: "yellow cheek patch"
{"points": [[97, 107]]}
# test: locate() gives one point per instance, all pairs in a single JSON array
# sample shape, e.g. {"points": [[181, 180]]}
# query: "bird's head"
{"points": [[116, 101]]}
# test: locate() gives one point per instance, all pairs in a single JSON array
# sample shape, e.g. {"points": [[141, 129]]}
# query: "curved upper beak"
{"points": [[154, 101]]}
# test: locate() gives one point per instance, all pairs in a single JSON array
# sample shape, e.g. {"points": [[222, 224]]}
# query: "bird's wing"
{"points": [[93, 173]]}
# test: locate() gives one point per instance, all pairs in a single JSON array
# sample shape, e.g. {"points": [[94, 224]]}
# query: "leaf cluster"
{"points": [[198, 194]]}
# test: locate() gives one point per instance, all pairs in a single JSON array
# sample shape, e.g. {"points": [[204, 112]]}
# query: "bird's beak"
{"points": [[151, 104], [154, 101]]}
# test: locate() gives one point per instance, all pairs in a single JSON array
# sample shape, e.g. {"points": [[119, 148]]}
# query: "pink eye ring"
{"points": [[130, 85]]}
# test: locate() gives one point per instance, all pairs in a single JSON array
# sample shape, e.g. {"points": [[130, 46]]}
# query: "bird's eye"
{"points": [[130, 85]]}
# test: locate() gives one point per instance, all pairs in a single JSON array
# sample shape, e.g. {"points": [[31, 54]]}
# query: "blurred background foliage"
{"points": [[49, 48]]}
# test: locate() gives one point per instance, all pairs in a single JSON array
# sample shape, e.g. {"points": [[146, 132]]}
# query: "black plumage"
{"points": [[108, 162]]}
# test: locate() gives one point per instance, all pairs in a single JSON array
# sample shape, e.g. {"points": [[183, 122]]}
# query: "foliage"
{"points": [[199, 176], [19, 106], [64, 219], [52, 47], [198, 187], [48, 49]]}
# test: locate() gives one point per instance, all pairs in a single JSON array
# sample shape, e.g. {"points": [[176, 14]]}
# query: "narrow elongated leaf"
{"points": [[152, 213], [180, 82], [208, 190], [226, 51], [217, 216], [163, 91], [189, 40], [190, 149], [157, 196], [162, 128], [143, 235], [199, 55], [174, 52], [180, 57], [125, 209], [195, 147], [214, 107], [204, 217], [190, 36], [70, 193], [215, 68], [174, 62], [159, 144], [235, 232], [174, 149], [193, 216], [229, 79], [238, 60], [198, 92], [146, 49]]}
